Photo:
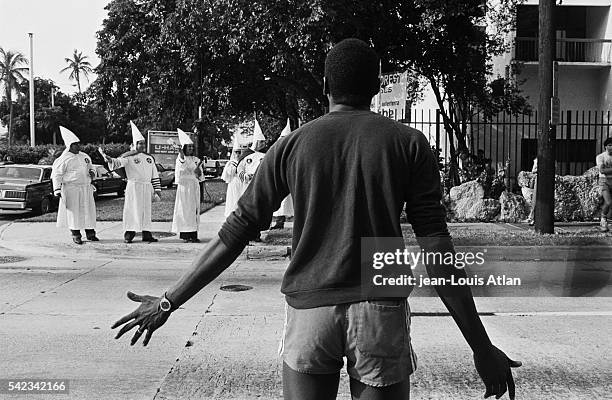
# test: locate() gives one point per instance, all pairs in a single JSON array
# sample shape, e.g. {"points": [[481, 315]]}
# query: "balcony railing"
{"points": [[569, 50]]}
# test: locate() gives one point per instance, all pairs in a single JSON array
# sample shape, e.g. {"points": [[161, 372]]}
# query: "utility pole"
{"points": [[32, 136], [545, 196]]}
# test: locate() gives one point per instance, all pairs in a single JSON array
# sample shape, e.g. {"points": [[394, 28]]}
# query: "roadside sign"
{"points": [[391, 99], [159, 147]]}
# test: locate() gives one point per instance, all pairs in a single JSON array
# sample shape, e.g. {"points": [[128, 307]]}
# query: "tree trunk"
{"points": [[10, 124]]}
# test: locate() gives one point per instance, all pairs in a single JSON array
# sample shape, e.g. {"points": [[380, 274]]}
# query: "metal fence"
{"points": [[579, 138]]}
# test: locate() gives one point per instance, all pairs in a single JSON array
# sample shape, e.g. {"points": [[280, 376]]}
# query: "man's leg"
{"points": [[129, 236], [399, 391], [148, 237], [76, 236], [91, 235], [300, 386], [605, 210]]}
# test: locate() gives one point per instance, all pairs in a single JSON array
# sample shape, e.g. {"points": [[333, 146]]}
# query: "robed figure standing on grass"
{"points": [[71, 175], [286, 208], [186, 218], [143, 186], [230, 176]]}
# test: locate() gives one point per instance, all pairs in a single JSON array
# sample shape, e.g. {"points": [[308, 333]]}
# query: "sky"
{"points": [[59, 27]]}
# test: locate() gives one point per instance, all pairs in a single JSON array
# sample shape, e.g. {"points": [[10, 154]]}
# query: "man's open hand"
{"points": [[147, 316], [493, 366]]}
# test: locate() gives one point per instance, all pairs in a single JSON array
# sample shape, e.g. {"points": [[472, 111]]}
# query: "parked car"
{"points": [[26, 186], [166, 176], [213, 167], [106, 181]]}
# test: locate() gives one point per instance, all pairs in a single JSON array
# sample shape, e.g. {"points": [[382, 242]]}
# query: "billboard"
{"points": [[159, 148]]}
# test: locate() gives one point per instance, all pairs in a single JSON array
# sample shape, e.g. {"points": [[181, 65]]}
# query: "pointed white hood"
{"points": [[68, 137], [184, 138], [258, 136], [136, 135], [286, 130]]}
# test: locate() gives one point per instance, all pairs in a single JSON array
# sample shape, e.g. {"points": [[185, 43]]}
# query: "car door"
{"points": [[110, 183]]}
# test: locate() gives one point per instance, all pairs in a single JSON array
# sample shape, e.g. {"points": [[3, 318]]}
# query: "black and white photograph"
{"points": [[305, 199]]}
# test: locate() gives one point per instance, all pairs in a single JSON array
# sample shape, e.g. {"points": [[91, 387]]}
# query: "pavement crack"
{"points": [[3, 229], [189, 343], [54, 288]]}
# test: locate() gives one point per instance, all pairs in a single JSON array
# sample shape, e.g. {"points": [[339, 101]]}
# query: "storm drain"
{"points": [[11, 259], [236, 288]]}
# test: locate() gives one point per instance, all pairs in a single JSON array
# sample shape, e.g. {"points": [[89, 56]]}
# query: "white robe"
{"points": [[77, 208], [286, 208], [247, 167], [187, 205], [238, 176], [140, 169], [234, 187]]}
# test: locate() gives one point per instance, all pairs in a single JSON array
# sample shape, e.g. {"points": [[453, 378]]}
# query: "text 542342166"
{"points": [[29, 385]]}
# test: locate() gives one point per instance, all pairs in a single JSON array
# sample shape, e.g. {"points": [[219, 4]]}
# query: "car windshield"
{"points": [[13, 172]]}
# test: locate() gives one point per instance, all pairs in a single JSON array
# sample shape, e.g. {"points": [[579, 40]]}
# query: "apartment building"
{"points": [[584, 53]]}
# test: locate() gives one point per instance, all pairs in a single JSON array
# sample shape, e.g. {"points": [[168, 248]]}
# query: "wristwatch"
{"points": [[164, 304]]}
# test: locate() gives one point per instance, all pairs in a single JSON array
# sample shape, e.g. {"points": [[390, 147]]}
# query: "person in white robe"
{"points": [[71, 175], [143, 187], [286, 208], [188, 171], [235, 187], [249, 161]]}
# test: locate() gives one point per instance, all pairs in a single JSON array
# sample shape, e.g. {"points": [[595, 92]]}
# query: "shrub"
{"points": [[46, 154]]}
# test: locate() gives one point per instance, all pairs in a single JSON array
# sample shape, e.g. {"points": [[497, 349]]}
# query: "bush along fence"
{"points": [[46, 154]]}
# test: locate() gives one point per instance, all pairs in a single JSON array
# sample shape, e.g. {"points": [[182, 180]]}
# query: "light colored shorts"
{"points": [[374, 336]]}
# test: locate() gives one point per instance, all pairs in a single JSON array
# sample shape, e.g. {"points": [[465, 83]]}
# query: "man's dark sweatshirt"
{"points": [[349, 173]]}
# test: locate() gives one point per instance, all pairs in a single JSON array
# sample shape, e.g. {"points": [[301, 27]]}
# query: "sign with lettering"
{"points": [[391, 99], [162, 150]]}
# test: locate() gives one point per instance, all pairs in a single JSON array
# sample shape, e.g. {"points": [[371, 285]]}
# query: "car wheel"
{"points": [[44, 207]]}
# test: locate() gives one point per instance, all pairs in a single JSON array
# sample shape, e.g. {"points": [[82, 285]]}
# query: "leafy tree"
{"points": [[84, 119], [78, 65], [11, 75], [162, 59]]}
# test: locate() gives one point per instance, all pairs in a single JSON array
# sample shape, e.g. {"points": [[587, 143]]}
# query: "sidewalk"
{"points": [[45, 238]]}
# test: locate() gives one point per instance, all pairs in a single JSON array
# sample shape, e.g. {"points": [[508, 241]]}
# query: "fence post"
{"points": [[438, 130], [568, 136]]}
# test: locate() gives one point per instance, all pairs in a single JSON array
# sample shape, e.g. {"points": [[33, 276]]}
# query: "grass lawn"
{"points": [[110, 207], [466, 236]]}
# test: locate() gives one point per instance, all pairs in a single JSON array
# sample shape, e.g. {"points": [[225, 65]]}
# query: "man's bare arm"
{"points": [[209, 264], [492, 364], [605, 170]]}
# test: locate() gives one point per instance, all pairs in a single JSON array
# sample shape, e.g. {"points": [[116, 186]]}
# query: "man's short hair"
{"points": [[351, 72], [608, 141]]}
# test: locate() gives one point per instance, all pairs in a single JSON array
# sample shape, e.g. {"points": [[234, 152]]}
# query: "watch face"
{"points": [[164, 304]]}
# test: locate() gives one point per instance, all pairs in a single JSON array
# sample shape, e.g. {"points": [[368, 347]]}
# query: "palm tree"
{"points": [[11, 74], [78, 65]]}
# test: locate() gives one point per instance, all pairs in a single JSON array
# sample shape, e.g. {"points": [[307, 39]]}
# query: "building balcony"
{"points": [[594, 52]]}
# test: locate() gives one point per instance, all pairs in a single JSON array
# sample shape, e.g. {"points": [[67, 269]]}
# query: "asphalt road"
{"points": [[56, 312]]}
